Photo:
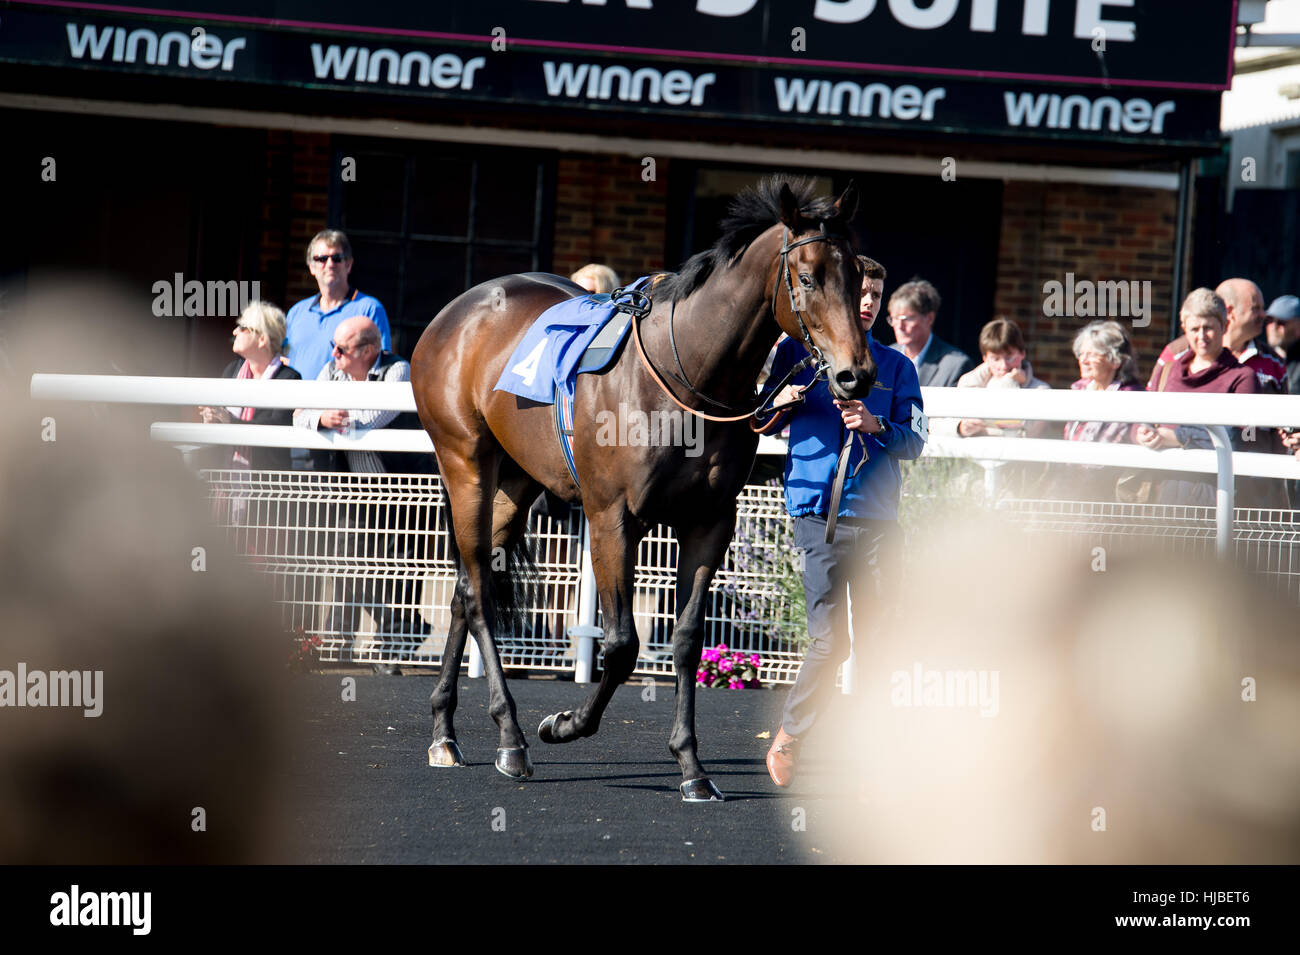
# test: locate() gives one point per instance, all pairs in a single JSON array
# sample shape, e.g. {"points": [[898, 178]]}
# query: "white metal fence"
{"points": [[362, 561]]}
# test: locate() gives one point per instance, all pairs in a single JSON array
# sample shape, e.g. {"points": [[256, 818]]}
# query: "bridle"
{"points": [[639, 305]]}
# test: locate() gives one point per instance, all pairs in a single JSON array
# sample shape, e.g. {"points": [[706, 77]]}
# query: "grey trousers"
{"points": [[852, 564]]}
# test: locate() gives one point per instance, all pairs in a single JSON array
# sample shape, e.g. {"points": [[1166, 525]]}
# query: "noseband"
{"points": [[639, 307]]}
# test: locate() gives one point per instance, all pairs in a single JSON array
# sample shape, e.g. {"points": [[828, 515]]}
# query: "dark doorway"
{"points": [[428, 221], [133, 203]]}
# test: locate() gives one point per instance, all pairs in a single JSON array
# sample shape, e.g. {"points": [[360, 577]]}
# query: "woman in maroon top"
{"points": [[1207, 366]]}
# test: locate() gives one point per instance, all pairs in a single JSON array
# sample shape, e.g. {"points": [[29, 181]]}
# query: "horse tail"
{"points": [[514, 581], [516, 585]]}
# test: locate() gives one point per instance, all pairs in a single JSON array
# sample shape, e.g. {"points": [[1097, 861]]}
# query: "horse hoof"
{"points": [[701, 790], [546, 731], [446, 752], [514, 763]]}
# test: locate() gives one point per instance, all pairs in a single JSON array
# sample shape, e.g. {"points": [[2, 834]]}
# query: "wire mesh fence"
{"points": [[362, 562]]}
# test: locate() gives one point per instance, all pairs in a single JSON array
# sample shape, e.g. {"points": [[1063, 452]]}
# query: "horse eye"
{"points": [[805, 280]]}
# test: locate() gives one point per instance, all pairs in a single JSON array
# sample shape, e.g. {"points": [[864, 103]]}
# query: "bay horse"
{"points": [[715, 323]]}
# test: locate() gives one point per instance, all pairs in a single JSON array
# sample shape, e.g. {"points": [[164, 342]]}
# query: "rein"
{"points": [[639, 306]]}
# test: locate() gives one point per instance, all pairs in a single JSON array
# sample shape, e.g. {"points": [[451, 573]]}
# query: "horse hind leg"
{"points": [[444, 750], [514, 496], [615, 535]]}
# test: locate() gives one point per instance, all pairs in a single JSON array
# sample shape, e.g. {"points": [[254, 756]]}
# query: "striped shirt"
{"points": [[363, 420]]}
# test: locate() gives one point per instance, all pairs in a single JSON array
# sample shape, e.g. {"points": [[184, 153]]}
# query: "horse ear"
{"points": [[789, 207], [846, 206]]}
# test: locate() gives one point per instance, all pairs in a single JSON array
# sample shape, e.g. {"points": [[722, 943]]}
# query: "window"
{"points": [[427, 223]]}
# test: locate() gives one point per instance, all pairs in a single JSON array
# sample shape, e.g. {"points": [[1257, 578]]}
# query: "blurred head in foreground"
{"points": [[111, 571], [1080, 706]]}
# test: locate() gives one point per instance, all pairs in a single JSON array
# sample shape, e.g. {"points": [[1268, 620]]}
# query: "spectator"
{"points": [[865, 544], [358, 356], [1245, 320], [596, 278], [1005, 366], [1106, 363], [313, 321], [912, 310], [1283, 331], [1206, 365], [259, 343]]}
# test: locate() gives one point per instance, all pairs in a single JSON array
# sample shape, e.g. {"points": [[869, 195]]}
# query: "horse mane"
{"points": [[751, 213]]}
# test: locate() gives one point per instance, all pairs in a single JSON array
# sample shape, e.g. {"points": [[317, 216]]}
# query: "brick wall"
{"points": [[1100, 233], [606, 213], [295, 203]]}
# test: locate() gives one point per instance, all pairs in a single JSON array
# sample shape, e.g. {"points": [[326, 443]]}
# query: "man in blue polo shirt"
{"points": [[890, 428], [311, 323]]}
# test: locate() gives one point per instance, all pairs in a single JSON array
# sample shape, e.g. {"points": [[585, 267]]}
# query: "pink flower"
{"points": [[721, 648], [736, 685], [753, 658], [725, 666]]}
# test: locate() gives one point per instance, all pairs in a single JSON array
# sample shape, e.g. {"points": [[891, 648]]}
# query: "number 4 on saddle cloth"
{"points": [[583, 334]]}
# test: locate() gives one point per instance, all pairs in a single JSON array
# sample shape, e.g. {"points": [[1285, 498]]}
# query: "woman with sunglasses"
{"points": [[259, 343]]}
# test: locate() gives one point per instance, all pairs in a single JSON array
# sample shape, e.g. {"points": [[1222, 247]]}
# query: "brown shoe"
{"points": [[781, 757]]}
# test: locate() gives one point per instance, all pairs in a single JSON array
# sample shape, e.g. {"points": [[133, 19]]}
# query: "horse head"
{"points": [[818, 289]]}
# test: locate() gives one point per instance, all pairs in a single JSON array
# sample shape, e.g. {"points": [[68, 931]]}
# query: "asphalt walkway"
{"points": [[364, 793]]}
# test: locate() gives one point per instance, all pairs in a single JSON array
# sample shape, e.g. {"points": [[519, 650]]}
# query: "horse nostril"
{"points": [[846, 379]]}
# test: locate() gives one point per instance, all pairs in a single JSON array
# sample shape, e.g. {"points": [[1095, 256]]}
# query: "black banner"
{"points": [[1163, 43], [575, 80]]}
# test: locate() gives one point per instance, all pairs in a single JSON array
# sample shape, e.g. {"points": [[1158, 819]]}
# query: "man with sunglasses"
{"points": [[313, 322]]}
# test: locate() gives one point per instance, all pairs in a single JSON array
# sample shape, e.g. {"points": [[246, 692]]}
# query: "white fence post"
{"points": [[586, 632], [475, 658], [1223, 498]]}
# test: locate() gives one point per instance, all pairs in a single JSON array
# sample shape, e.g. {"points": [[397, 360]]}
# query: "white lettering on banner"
{"points": [[930, 14], [647, 84], [445, 71], [1136, 115], [799, 95], [210, 53]]}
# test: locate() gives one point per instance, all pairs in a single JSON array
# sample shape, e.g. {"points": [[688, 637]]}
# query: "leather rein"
{"points": [[640, 304]]}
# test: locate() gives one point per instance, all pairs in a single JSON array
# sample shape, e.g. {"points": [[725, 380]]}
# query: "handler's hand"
{"points": [[857, 417], [214, 415], [790, 393]]}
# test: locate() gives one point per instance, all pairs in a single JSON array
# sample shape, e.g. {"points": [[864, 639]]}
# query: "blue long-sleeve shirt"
{"points": [[817, 433]]}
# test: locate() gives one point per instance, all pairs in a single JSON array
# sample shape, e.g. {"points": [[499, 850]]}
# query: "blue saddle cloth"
{"points": [[578, 335]]}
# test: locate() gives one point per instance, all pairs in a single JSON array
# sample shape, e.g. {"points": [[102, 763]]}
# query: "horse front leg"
{"points": [[701, 549], [615, 534]]}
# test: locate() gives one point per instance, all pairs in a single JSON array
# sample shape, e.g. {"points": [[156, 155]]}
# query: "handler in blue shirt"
{"points": [[311, 322], [891, 428]]}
